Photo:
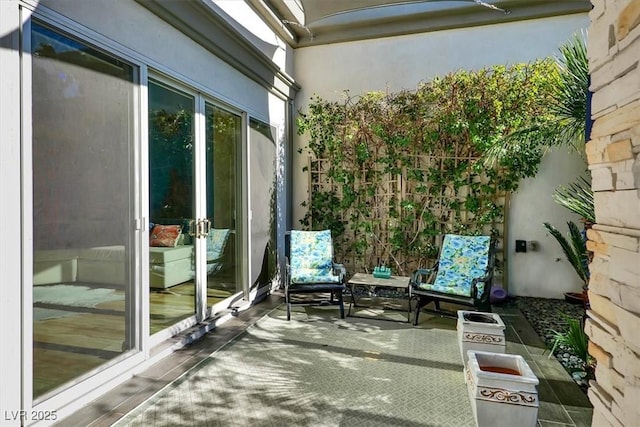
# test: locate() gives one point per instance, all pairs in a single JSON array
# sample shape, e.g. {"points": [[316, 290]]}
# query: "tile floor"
{"points": [[562, 401]]}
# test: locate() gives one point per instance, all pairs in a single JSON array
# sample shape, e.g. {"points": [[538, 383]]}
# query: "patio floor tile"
{"points": [[562, 402]]}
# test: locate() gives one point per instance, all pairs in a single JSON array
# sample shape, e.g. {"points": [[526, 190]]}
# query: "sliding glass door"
{"points": [[223, 138], [101, 130], [172, 226], [192, 205], [83, 209]]}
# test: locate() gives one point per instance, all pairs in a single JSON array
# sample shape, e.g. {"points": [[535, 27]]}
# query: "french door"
{"points": [[193, 162]]}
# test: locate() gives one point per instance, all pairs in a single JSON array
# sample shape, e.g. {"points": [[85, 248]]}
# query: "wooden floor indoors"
{"points": [[71, 340]]}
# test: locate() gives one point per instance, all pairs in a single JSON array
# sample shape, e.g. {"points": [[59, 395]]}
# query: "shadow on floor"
{"points": [[562, 402]]}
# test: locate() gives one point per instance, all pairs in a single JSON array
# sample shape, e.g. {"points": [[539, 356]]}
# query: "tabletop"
{"points": [[369, 280]]}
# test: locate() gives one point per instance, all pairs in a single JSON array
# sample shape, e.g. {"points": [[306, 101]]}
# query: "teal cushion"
{"points": [[311, 257], [216, 242], [462, 259], [312, 275]]}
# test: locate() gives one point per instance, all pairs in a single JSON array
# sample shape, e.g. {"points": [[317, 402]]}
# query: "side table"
{"points": [[370, 283]]}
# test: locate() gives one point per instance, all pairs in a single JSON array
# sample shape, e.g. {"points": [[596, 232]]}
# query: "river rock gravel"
{"points": [[548, 315]]}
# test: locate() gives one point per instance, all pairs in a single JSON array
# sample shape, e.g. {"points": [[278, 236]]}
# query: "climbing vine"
{"points": [[392, 171]]}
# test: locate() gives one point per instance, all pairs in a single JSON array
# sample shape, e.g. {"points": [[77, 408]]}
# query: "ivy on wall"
{"points": [[390, 172]]}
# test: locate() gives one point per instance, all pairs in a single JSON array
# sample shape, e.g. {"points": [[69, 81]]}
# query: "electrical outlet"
{"points": [[521, 246]]}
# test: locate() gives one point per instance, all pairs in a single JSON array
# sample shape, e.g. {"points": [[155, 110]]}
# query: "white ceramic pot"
{"points": [[480, 331], [502, 389]]}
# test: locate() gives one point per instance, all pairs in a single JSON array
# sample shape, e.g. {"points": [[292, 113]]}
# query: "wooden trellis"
{"points": [[391, 192]]}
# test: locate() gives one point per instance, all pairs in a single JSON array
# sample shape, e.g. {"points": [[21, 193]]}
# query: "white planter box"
{"points": [[498, 398], [480, 331]]}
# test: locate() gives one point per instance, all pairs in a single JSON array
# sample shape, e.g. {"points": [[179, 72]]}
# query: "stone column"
{"points": [[614, 289]]}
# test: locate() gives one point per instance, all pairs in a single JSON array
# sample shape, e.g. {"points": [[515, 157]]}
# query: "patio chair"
{"points": [[310, 270], [462, 275]]}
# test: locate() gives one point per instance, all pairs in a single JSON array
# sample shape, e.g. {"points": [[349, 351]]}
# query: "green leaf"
{"points": [[574, 248]]}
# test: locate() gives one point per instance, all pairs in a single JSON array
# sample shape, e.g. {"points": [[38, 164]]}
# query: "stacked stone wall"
{"points": [[613, 153]]}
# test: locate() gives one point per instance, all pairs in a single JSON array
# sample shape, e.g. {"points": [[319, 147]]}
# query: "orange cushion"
{"points": [[165, 235]]}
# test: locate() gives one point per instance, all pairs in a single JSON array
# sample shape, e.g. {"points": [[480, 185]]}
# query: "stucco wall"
{"points": [[545, 272], [134, 27], [403, 62]]}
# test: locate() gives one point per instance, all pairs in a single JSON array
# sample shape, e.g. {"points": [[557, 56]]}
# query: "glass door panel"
{"points": [[171, 206], [223, 138], [82, 111]]}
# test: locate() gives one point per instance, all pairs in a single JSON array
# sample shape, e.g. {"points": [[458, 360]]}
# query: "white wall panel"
{"points": [[10, 218], [135, 28]]}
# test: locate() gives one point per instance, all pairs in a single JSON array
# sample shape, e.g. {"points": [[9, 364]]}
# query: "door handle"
{"points": [[203, 226], [199, 228]]}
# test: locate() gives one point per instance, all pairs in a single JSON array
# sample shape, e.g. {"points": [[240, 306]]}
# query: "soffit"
{"points": [[313, 22], [213, 29]]}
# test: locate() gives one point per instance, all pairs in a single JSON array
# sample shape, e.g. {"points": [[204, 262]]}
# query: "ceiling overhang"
{"points": [[313, 22], [209, 26]]}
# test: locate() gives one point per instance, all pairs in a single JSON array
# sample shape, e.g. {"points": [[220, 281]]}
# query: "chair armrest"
{"points": [[487, 276], [340, 270], [486, 279], [418, 274]]}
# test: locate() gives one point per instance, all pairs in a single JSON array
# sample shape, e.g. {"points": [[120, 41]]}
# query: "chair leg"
{"points": [[288, 303], [420, 303], [484, 305], [341, 302]]}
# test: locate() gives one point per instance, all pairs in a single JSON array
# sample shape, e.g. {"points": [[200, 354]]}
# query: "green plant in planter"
{"points": [[569, 109], [578, 198], [575, 249]]}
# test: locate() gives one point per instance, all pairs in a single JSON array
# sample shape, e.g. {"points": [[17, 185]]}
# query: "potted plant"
{"points": [[578, 198], [574, 247], [571, 107]]}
